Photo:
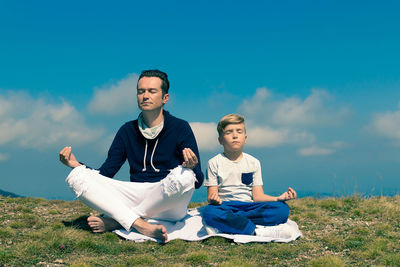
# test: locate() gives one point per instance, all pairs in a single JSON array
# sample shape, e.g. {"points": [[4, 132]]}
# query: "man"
{"points": [[154, 145]]}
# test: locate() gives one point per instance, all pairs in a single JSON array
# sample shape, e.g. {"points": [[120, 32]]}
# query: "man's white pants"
{"points": [[127, 201]]}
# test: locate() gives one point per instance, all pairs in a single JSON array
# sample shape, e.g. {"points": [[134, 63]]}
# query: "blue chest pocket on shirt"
{"points": [[247, 178]]}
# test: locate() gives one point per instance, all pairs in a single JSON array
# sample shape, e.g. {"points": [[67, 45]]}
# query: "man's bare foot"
{"points": [[157, 231], [102, 224]]}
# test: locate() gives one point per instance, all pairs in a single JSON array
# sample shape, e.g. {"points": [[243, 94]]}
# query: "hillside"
{"points": [[337, 232], [8, 194]]}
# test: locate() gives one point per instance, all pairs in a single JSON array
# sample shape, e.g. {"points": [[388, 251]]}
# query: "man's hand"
{"points": [[214, 199], [67, 158], [288, 195], [190, 158]]}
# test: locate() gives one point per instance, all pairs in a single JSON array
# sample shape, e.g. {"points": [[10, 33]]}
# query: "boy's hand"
{"points": [[190, 158], [214, 199], [67, 158], [288, 195]]}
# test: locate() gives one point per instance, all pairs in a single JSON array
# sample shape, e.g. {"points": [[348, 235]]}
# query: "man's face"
{"points": [[149, 94], [234, 137]]}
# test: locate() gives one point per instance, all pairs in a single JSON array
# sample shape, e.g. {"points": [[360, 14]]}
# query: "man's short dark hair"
{"points": [[159, 74]]}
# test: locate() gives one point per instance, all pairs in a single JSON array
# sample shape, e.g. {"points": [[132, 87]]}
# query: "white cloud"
{"points": [[293, 111], [339, 145], [289, 121], [33, 123], [252, 107], [268, 137], [273, 122], [387, 125], [316, 109], [265, 137], [328, 149], [311, 111], [315, 151], [5, 106], [3, 157], [206, 135], [302, 137], [116, 98]]}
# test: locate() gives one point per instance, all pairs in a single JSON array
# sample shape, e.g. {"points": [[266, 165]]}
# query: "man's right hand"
{"points": [[67, 158]]}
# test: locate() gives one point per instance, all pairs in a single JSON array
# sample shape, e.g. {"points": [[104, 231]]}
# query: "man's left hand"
{"points": [[190, 158]]}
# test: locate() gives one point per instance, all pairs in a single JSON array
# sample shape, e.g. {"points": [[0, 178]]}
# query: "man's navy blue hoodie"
{"points": [[151, 160]]}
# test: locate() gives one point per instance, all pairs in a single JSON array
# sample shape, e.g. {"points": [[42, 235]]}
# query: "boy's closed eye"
{"points": [[231, 131]]}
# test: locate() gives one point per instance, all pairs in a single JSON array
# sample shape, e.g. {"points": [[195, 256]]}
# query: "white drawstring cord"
{"points": [[151, 159], [152, 154], [144, 158]]}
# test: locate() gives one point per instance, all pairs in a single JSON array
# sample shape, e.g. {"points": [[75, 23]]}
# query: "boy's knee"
{"points": [[209, 212], [283, 211]]}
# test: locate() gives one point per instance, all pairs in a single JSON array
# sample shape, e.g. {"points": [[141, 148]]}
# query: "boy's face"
{"points": [[234, 137]]}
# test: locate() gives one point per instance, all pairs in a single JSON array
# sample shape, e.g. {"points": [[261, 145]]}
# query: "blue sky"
{"points": [[318, 83]]}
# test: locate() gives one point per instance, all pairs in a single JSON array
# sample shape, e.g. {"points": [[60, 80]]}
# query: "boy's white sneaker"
{"points": [[211, 230], [283, 231]]}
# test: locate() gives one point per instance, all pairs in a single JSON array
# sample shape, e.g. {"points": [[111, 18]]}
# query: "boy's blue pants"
{"points": [[237, 217]]}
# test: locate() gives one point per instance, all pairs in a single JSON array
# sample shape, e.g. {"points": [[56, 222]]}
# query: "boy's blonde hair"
{"points": [[229, 119]]}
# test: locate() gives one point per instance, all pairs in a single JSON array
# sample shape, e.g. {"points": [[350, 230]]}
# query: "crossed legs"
{"points": [[236, 217], [127, 204]]}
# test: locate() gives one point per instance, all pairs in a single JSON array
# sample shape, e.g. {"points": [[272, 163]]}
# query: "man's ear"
{"points": [[165, 98]]}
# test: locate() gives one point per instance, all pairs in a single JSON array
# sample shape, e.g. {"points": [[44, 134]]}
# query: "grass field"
{"points": [[351, 231]]}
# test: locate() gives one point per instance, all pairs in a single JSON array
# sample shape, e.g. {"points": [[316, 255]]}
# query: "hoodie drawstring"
{"points": [[151, 158], [144, 158], [152, 154]]}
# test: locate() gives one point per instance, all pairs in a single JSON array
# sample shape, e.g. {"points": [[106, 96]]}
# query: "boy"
{"points": [[235, 194]]}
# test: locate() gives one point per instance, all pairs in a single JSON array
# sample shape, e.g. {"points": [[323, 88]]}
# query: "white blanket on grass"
{"points": [[191, 228]]}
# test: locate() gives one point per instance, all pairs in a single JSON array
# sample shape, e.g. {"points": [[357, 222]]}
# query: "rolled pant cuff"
{"points": [[127, 222]]}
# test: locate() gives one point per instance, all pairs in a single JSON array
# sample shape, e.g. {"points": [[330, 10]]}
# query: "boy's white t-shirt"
{"points": [[234, 179]]}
